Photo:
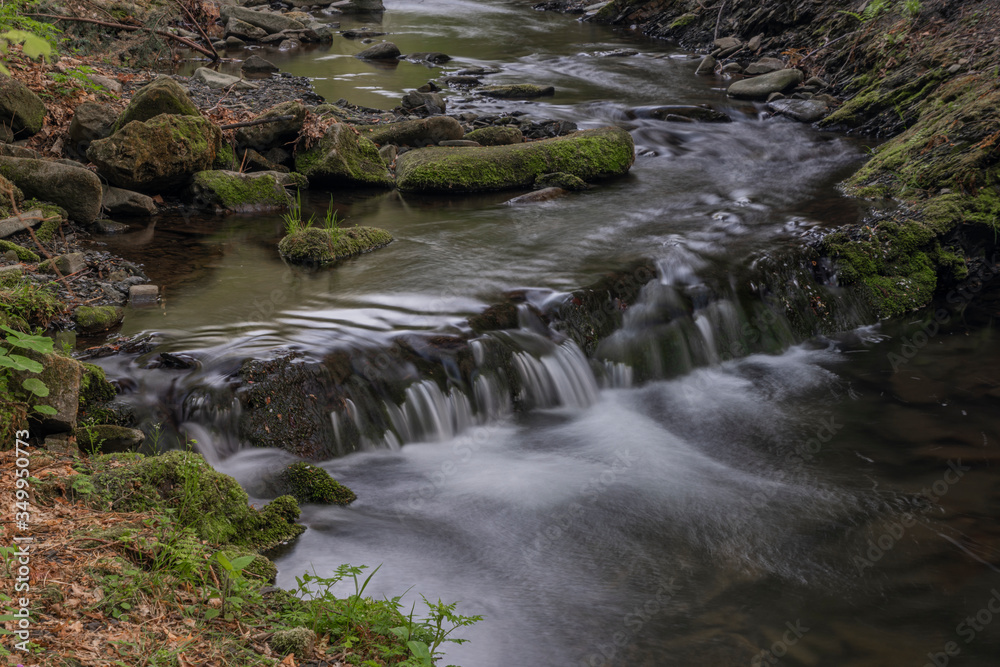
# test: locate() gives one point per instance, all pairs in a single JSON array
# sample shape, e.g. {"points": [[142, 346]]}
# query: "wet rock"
{"points": [[589, 155], [232, 42], [91, 121], [257, 65], [684, 112], [429, 87], [435, 57], [545, 194], [95, 319], [765, 65], [319, 247], [143, 295], [20, 109], [706, 66], [241, 30], [221, 81], [110, 227], [617, 53], [517, 91], [75, 189], [62, 376], [804, 111], [359, 6], [278, 133], [158, 154], [108, 438], [461, 81], [424, 104], [271, 23], [728, 43], [495, 135], [221, 190], [361, 33], [760, 87], [732, 68], [561, 180], [162, 96], [775, 96], [342, 158], [380, 51], [117, 201], [288, 45], [309, 484], [424, 132]]}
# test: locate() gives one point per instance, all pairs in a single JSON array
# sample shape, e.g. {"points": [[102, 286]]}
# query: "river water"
{"points": [[820, 500]]}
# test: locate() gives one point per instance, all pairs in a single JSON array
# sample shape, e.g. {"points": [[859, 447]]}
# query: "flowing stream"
{"points": [[666, 500]]}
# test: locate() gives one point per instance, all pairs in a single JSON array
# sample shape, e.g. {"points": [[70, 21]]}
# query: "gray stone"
{"points": [[728, 43], [461, 81], [20, 222], [423, 132], [435, 57], [388, 153], [690, 112], [110, 227], [359, 6], [732, 68], [288, 45], [257, 65], [221, 81], [241, 30], [817, 83], [10, 272], [107, 83], [361, 33], [91, 121], [20, 109], [380, 51], [804, 111], [143, 295], [755, 42], [269, 135], [725, 53], [760, 87], [267, 21], [775, 96], [426, 104], [117, 201], [109, 438], [70, 263], [706, 66], [765, 65], [545, 194], [62, 376], [75, 189], [232, 42]]}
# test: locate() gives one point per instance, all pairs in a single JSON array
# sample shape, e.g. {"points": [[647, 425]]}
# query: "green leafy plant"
{"points": [[234, 585], [78, 78], [11, 361], [295, 223], [37, 39]]}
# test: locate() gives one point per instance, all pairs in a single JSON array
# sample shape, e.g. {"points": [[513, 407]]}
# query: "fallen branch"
{"points": [[215, 54], [718, 20], [259, 121], [132, 28]]}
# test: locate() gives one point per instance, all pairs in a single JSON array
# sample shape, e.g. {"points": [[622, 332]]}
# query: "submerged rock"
{"points": [[517, 91], [309, 483], [316, 246], [75, 189], [424, 132], [760, 87], [380, 51], [682, 112], [342, 158], [545, 194], [561, 180], [161, 153], [117, 201], [589, 155], [162, 96]]}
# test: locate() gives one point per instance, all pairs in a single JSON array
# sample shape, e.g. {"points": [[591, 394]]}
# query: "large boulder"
{"points": [[162, 96], [424, 132], [232, 191], [589, 155], [268, 135], [340, 158], [161, 153], [20, 109], [91, 121], [62, 376], [424, 104], [75, 189], [761, 87], [125, 202], [244, 31], [271, 23]]}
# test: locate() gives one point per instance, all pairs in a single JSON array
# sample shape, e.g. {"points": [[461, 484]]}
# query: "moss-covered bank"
{"points": [[319, 247]]}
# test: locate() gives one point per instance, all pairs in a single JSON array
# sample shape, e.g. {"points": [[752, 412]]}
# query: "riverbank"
{"points": [[921, 75]]}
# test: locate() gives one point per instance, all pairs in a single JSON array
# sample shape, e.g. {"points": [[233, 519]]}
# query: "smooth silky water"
{"points": [[722, 508]]}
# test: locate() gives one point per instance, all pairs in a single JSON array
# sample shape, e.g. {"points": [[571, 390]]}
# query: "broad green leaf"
{"points": [[7, 362], [46, 409], [27, 364], [242, 562], [420, 651], [210, 614], [36, 387], [224, 561]]}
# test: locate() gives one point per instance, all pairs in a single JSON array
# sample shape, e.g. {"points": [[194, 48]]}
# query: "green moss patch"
{"points": [[233, 191], [496, 135], [23, 254], [588, 155], [323, 246], [309, 483], [95, 319]]}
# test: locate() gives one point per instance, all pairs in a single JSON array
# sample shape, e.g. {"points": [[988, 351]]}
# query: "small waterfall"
{"points": [[560, 379], [427, 413]]}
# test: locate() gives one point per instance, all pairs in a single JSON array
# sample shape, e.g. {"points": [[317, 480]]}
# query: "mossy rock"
{"points": [[107, 438], [243, 193], [342, 158], [496, 135], [316, 246], [589, 155], [277, 133], [226, 157], [20, 109], [95, 319], [7, 188], [300, 642], [162, 96], [517, 91], [560, 180], [309, 483], [34, 304], [95, 390], [159, 154], [23, 254], [421, 132], [75, 189], [212, 504], [261, 567]]}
